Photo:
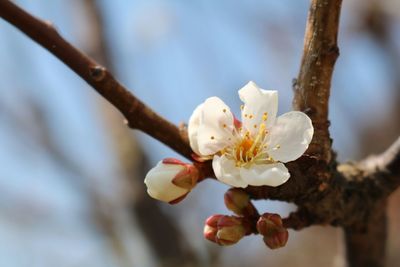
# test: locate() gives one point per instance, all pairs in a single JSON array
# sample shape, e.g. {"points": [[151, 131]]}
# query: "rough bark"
{"points": [[312, 86], [365, 245]]}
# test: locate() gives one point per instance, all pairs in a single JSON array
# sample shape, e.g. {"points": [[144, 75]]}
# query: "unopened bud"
{"points": [[211, 227], [171, 180], [224, 230], [271, 227], [278, 240], [238, 201]]}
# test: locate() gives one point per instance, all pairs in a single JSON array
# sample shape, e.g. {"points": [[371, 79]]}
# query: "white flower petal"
{"points": [[257, 102], [159, 182], [290, 136], [265, 174], [226, 171], [215, 128], [193, 127]]}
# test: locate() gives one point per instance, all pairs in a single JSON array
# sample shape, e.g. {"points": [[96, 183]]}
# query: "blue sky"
{"points": [[173, 55]]}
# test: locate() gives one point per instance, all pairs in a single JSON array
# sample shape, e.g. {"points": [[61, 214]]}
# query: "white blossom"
{"points": [[170, 180], [251, 152]]}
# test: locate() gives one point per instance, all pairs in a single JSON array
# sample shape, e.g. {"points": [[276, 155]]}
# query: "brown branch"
{"points": [[347, 196], [365, 246], [312, 86], [138, 115], [298, 220]]}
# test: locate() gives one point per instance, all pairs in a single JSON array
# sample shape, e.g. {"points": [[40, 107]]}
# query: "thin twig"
{"points": [[337, 196]]}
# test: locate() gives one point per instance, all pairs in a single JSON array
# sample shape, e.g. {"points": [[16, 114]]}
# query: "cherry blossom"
{"points": [[253, 151]]}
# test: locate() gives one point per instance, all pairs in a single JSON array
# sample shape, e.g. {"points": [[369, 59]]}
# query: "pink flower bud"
{"points": [[238, 201], [171, 180], [224, 230], [278, 240], [271, 227], [212, 221]]}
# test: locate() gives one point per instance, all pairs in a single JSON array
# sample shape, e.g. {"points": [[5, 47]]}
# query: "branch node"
{"points": [[97, 72]]}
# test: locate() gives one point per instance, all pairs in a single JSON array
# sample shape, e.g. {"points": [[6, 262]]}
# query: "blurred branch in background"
{"points": [[377, 23], [350, 196], [161, 231], [42, 136], [138, 115]]}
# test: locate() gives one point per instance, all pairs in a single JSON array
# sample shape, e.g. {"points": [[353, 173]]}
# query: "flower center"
{"points": [[244, 151], [249, 149]]}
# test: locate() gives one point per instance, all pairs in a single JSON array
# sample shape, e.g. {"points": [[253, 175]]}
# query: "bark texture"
{"points": [[352, 195], [312, 87]]}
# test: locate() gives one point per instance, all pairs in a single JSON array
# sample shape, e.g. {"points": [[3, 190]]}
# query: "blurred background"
{"points": [[71, 173]]}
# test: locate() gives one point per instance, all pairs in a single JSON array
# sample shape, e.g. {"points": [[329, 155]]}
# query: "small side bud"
{"points": [[171, 180], [238, 201], [224, 230], [271, 227]]}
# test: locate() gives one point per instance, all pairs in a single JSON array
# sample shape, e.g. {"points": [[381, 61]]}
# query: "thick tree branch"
{"points": [[350, 195], [298, 220], [365, 246], [312, 86], [138, 115]]}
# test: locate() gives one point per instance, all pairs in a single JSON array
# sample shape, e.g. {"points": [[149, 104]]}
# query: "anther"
{"points": [[265, 116]]}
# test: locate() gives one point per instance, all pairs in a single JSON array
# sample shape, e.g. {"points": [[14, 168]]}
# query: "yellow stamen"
{"points": [[265, 116]]}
